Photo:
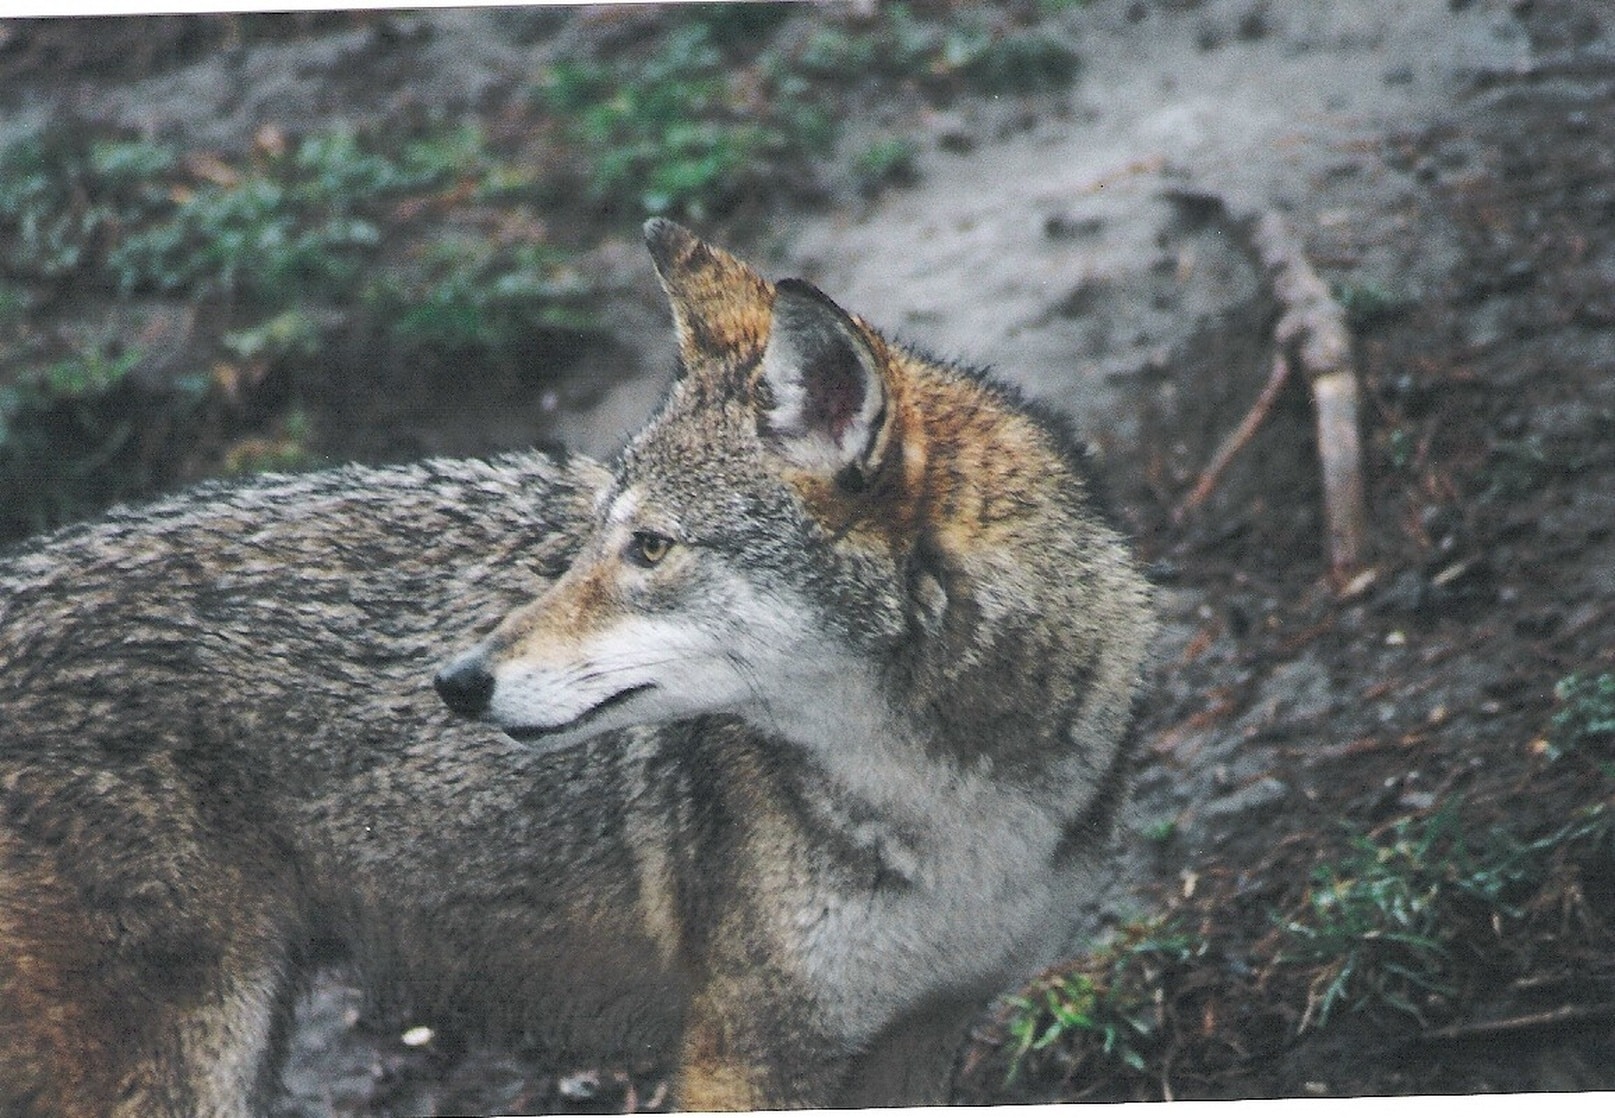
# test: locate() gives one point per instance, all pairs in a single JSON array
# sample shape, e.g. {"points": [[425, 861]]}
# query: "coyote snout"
{"points": [[468, 686], [822, 689], [465, 684]]}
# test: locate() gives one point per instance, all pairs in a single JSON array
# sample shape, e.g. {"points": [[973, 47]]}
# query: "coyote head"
{"points": [[833, 538], [741, 560]]}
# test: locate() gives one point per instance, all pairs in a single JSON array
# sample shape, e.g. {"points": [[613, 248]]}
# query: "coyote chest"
{"points": [[964, 893]]}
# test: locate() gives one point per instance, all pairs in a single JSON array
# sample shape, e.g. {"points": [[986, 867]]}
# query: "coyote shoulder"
{"points": [[774, 746]]}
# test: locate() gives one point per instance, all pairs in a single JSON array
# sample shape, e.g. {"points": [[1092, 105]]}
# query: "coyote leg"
{"points": [[122, 1002], [752, 1053], [911, 1063]]}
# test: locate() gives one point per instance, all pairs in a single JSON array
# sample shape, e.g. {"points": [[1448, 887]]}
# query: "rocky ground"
{"points": [[1450, 170]]}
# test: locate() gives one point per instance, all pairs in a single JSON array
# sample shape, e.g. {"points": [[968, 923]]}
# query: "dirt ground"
{"points": [[1450, 170]]}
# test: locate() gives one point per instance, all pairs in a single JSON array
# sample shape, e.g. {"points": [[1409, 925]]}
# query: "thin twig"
{"points": [[1559, 1016], [1234, 443]]}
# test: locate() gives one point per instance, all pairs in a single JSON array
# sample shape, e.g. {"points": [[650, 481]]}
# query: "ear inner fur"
{"points": [[830, 396]]}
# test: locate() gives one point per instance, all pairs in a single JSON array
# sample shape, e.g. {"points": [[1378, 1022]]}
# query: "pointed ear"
{"points": [[829, 410], [720, 306]]}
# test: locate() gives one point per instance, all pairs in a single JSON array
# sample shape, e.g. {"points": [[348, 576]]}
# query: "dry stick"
{"points": [[1562, 1015], [1234, 443], [1315, 324], [1313, 327]]}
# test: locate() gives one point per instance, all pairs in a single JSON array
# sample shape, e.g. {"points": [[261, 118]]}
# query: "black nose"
{"points": [[466, 685]]}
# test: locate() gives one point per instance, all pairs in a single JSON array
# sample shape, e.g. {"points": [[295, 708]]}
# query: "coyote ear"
{"points": [[720, 306], [829, 409]]}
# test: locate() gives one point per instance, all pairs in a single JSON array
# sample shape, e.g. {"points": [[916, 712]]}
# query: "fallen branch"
{"points": [[1311, 333], [1314, 324]]}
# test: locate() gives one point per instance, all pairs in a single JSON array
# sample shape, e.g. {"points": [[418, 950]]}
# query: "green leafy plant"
{"points": [[1106, 1006], [967, 50], [1369, 304], [294, 224], [1381, 924], [64, 189], [835, 53], [290, 333], [284, 450], [90, 372], [1019, 62], [885, 162], [67, 435], [676, 133], [1585, 717], [345, 220], [1372, 923], [708, 116], [250, 237], [461, 293]]}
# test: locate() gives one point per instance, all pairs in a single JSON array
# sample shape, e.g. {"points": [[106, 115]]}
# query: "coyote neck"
{"points": [[893, 769], [849, 718]]}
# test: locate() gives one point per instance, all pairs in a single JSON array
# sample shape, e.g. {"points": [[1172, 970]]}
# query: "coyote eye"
{"points": [[646, 549]]}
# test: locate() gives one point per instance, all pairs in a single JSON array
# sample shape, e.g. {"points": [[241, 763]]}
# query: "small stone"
{"points": [[1265, 793], [580, 1086]]}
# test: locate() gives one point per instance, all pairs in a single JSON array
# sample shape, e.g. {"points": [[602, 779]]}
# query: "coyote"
{"points": [[779, 753]]}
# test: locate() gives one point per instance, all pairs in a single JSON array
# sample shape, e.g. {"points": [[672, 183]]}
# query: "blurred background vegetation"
{"points": [[171, 310]]}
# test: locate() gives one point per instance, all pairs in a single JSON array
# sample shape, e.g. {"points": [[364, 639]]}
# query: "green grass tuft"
{"points": [[1105, 1008], [1585, 719]]}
